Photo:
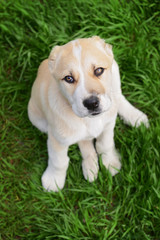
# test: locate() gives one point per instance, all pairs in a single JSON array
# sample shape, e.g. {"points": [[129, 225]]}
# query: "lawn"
{"points": [[126, 206]]}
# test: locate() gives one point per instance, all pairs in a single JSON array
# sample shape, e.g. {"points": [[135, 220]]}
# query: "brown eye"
{"points": [[69, 79], [98, 71]]}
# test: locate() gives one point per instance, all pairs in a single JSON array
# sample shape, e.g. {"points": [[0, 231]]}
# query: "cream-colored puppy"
{"points": [[75, 99]]}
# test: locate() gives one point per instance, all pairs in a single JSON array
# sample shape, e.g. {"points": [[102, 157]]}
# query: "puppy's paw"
{"points": [[141, 118], [52, 181], [90, 169], [111, 162]]}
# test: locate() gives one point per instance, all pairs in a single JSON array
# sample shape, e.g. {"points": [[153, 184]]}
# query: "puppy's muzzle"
{"points": [[92, 104]]}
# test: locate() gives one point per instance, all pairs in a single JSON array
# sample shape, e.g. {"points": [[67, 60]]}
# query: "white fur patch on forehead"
{"points": [[77, 50], [77, 53]]}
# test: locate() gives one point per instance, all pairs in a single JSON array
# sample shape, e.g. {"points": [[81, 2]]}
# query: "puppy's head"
{"points": [[82, 69]]}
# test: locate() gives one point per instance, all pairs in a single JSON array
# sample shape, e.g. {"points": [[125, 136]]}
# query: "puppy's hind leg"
{"points": [[130, 114], [90, 160], [36, 117], [127, 111]]}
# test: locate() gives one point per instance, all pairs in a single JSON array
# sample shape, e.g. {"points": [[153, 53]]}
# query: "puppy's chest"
{"points": [[94, 127]]}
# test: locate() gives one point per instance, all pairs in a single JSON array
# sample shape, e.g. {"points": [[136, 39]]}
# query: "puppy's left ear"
{"points": [[108, 49], [52, 58], [106, 46]]}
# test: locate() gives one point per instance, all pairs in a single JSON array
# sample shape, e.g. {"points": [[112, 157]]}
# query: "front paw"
{"points": [[53, 181], [111, 162], [90, 168]]}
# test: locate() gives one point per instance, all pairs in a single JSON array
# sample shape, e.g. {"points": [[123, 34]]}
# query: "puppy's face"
{"points": [[82, 69]]}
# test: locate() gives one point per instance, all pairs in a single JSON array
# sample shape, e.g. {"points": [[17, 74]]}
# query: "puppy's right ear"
{"points": [[52, 58]]}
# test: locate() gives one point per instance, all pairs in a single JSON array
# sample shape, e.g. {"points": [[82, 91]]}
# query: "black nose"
{"points": [[91, 103]]}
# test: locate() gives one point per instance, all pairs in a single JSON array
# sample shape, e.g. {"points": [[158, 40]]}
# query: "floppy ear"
{"points": [[106, 46], [52, 58]]}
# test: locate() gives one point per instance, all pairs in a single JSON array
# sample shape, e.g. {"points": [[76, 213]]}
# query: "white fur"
{"points": [[67, 121], [80, 93], [55, 174]]}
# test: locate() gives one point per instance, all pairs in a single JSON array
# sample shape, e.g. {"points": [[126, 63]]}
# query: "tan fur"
{"points": [[57, 108]]}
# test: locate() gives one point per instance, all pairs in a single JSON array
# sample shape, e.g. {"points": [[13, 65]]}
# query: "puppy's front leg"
{"points": [[106, 148], [55, 174], [90, 160]]}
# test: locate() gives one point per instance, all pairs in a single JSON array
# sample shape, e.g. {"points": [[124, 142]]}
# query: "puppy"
{"points": [[75, 99]]}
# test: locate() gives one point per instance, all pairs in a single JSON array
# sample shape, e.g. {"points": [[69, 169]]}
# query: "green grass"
{"points": [[124, 207]]}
